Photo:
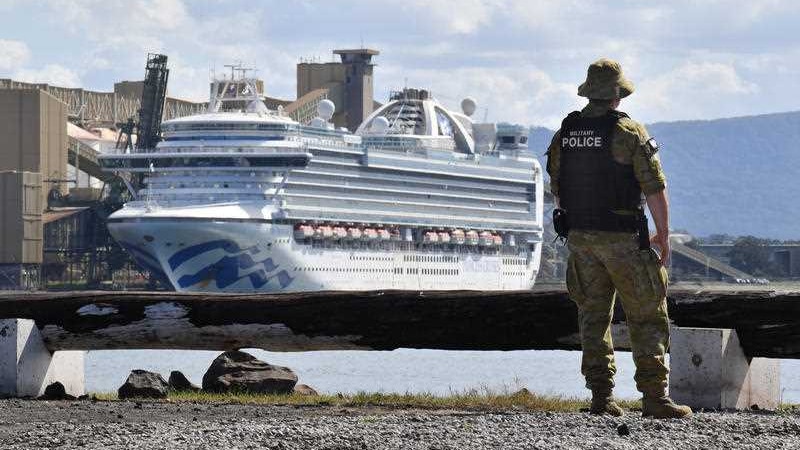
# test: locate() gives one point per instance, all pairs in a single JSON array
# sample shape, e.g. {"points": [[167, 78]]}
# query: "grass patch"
{"points": [[473, 399]]}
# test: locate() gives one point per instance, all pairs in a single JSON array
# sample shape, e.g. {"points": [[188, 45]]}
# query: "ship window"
{"points": [[523, 139], [445, 126], [507, 139]]}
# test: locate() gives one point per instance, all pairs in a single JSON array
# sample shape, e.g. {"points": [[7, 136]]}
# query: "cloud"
{"points": [[13, 54], [717, 78], [454, 16], [545, 14], [691, 89], [522, 58], [520, 94], [116, 36], [742, 14], [121, 17], [54, 74]]}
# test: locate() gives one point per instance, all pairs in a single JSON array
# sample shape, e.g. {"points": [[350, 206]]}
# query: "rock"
{"points": [[56, 391], [143, 384], [623, 430], [304, 389], [240, 371], [179, 382], [524, 392]]}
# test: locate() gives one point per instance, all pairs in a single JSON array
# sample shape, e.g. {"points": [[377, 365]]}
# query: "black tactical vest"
{"points": [[592, 185]]}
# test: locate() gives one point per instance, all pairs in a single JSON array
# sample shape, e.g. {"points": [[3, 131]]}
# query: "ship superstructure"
{"points": [[242, 198]]}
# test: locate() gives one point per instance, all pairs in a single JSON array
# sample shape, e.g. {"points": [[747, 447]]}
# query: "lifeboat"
{"points": [[326, 231], [354, 233], [498, 240], [383, 234], [340, 233], [444, 237], [370, 234], [303, 231], [472, 237], [485, 238], [458, 237], [430, 237]]}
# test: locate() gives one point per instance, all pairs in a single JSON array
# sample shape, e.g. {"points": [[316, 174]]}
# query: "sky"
{"points": [[521, 60]]}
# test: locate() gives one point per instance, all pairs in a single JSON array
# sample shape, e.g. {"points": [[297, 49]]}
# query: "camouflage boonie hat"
{"points": [[605, 81]]}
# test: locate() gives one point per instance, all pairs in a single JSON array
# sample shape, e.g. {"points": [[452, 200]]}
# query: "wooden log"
{"points": [[768, 323]]}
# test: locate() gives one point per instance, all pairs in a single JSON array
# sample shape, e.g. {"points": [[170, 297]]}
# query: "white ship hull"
{"points": [[257, 256]]}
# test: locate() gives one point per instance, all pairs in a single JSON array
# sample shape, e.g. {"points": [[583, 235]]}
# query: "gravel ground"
{"points": [[149, 425]]}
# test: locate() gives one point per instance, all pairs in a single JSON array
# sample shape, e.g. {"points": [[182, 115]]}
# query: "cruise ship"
{"points": [[244, 199]]}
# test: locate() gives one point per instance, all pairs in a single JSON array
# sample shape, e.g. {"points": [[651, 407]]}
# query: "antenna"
{"points": [[242, 71], [234, 68], [485, 114], [230, 66]]}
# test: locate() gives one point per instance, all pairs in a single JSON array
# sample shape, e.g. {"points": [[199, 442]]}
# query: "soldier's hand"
{"points": [[663, 247]]}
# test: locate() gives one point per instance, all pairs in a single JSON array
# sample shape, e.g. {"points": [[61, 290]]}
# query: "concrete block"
{"points": [[27, 367], [710, 370]]}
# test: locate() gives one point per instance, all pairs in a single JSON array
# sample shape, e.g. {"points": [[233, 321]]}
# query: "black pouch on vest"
{"points": [[561, 223]]}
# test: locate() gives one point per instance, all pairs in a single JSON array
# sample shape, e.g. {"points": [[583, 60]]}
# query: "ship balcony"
{"points": [[148, 162], [263, 145]]}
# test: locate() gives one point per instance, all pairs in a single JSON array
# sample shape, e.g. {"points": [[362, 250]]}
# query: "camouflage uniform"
{"points": [[602, 264]]}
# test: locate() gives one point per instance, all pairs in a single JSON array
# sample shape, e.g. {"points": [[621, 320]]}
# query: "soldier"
{"points": [[601, 164]]}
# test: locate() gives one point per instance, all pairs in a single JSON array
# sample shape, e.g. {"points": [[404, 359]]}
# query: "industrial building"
{"points": [[347, 83]]}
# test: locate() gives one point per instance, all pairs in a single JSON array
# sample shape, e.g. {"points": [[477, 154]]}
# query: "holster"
{"points": [[644, 233], [561, 223]]}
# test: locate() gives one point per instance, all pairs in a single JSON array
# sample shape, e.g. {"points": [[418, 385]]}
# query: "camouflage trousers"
{"points": [[601, 265]]}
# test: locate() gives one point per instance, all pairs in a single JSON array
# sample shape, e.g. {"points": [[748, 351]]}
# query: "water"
{"points": [[433, 371]]}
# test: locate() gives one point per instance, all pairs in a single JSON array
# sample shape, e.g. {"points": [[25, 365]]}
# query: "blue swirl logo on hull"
{"points": [[225, 271]]}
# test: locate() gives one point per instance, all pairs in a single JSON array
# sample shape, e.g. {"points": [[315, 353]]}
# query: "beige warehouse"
{"points": [[33, 125]]}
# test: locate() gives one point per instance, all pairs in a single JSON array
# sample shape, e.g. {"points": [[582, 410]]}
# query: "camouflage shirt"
{"points": [[628, 147]]}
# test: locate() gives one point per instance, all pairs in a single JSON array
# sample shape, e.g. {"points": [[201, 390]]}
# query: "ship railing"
{"points": [[202, 152], [408, 145], [155, 199], [296, 142], [462, 249], [296, 212]]}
